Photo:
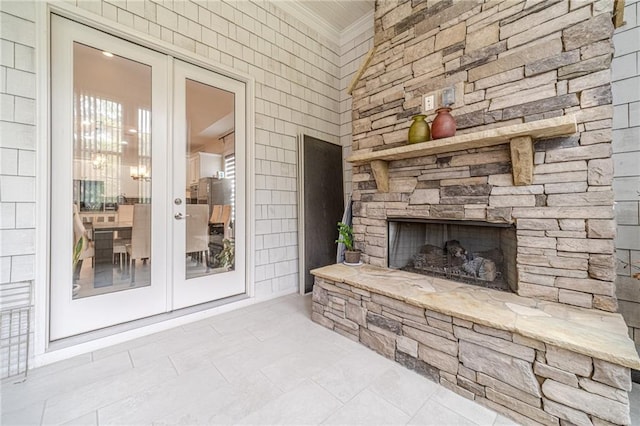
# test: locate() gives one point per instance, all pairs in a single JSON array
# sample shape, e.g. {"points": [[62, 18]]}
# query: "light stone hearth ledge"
{"points": [[521, 138], [590, 332]]}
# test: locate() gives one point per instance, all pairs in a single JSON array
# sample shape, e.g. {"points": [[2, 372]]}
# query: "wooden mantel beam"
{"points": [[522, 160], [380, 169], [521, 137]]}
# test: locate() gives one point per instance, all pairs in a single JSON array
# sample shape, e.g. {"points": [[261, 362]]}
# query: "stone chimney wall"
{"points": [[511, 62]]}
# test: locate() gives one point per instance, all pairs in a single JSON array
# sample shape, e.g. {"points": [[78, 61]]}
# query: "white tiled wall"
{"points": [[301, 81], [17, 155], [17, 179], [626, 158]]}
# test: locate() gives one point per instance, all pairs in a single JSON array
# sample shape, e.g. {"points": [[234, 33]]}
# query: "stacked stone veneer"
{"points": [[524, 379], [626, 157], [511, 62]]}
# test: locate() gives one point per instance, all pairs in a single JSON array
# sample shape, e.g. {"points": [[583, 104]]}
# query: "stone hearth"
{"points": [[536, 362]]}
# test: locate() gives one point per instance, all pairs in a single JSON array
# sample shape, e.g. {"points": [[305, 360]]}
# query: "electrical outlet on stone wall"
{"points": [[443, 97], [429, 102]]}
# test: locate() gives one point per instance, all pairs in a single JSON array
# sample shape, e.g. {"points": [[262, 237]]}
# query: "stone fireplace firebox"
{"points": [[465, 251], [532, 155]]}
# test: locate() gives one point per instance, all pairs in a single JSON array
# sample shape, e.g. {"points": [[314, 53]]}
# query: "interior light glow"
{"points": [[140, 173]]}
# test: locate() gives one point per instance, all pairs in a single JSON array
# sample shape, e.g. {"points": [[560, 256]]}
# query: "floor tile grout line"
{"points": [[418, 410], [254, 335], [35, 374], [133, 364], [264, 403], [44, 406], [496, 419], [342, 404], [134, 344], [427, 400], [459, 412], [326, 390], [141, 390], [283, 391], [213, 364], [444, 407], [370, 387], [271, 381], [214, 329], [173, 365], [47, 378]]}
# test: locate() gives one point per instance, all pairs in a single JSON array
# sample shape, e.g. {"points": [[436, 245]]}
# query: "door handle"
{"points": [[180, 216]]}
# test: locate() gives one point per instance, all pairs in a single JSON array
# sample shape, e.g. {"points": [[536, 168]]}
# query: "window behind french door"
{"points": [[139, 163]]}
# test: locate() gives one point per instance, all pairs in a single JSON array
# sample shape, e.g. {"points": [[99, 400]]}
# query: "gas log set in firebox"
{"points": [[453, 260]]}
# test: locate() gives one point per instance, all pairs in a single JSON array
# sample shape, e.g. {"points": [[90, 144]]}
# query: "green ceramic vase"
{"points": [[419, 130]]}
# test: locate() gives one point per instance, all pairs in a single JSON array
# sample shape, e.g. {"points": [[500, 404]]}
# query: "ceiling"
{"points": [[332, 18], [339, 13]]}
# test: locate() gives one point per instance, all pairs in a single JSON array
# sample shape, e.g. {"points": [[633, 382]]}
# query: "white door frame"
{"points": [[301, 214], [43, 353]]}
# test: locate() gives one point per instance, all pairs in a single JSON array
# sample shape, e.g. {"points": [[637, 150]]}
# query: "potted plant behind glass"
{"points": [[227, 257], [345, 236], [77, 251]]}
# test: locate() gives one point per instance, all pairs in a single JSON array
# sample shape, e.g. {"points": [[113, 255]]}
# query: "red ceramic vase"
{"points": [[444, 125]]}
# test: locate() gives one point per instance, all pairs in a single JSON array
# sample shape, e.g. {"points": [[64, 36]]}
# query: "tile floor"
{"points": [[265, 364]]}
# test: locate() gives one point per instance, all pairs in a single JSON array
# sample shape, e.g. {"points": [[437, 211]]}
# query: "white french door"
{"points": [[208, 229], [130, 237], [106, 121]]}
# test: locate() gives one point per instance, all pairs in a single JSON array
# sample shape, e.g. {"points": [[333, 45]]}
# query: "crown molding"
{"points": [[313, 21], [325, 28], [361, 26]]}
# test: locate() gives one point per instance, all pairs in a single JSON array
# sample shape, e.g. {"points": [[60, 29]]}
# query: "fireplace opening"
{"points": [[470, 252]]}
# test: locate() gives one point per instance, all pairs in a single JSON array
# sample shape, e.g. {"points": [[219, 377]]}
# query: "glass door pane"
{"points": [[209, 121], [111, 172], [109, 126]]}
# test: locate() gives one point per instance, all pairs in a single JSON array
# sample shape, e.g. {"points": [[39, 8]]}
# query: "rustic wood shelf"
{"points": [[521, 138]]}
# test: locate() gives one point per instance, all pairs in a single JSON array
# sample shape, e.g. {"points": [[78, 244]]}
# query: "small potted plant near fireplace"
{"points": [[345, 236]]}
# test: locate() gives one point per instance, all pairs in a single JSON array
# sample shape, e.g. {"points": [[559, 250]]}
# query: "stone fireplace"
{"points": [[520, 197], [563, 240], [559, 205], [512, 65]]}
